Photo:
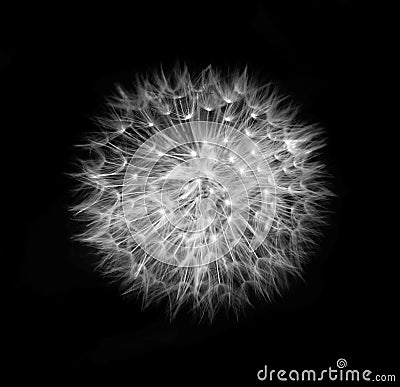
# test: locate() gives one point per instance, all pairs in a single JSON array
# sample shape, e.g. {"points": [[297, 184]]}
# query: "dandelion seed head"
{"points": [[193, 196]]}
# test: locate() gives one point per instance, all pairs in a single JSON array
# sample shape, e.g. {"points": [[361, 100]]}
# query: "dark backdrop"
{"points": [[58, 63]]}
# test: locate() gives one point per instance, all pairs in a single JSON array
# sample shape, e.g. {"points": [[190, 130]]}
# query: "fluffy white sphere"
{"points": [[197, 190]]}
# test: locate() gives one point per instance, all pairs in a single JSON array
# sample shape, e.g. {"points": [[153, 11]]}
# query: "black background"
{"points": [[58, 64]]}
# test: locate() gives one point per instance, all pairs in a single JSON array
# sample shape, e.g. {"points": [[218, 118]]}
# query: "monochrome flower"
{"points": [[201, 189]]}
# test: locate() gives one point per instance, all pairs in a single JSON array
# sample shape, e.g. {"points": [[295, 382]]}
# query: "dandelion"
{"points": [[212, 188]]}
